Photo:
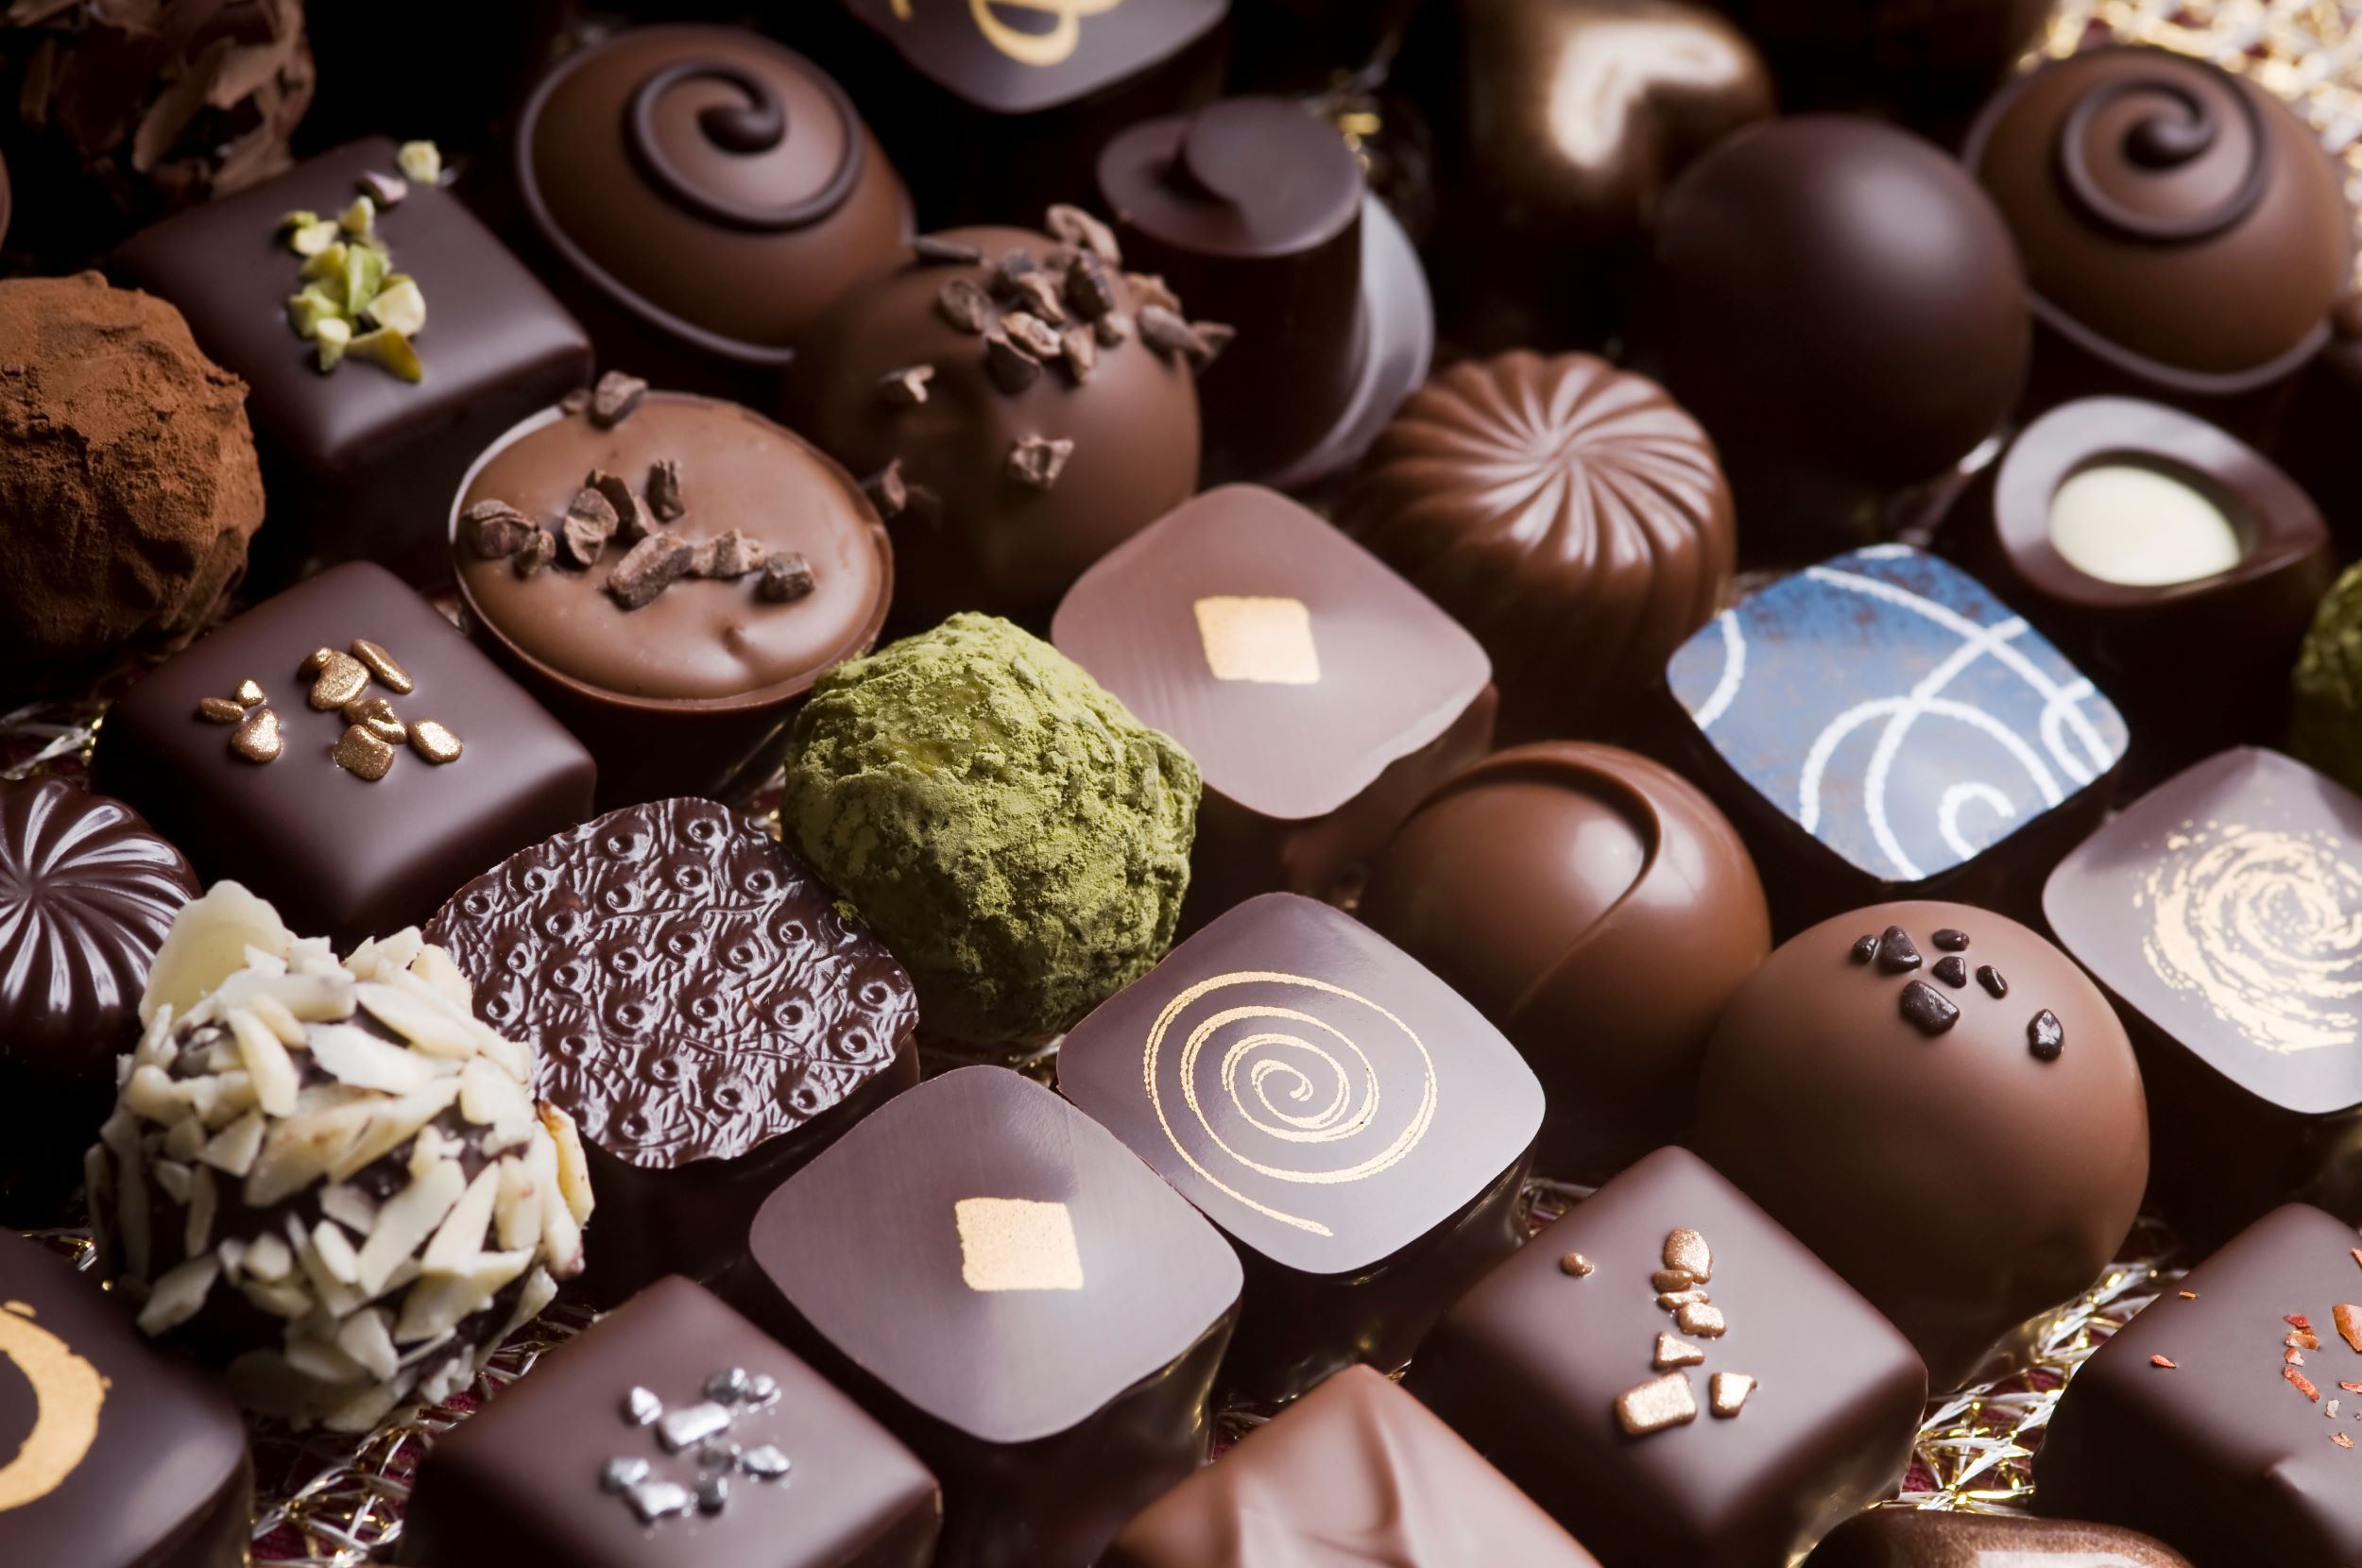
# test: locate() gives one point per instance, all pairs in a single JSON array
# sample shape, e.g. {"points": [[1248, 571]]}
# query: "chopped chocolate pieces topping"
{"points": [[1212, 338], [1166, 333], [886, 491], [1864, 950], [363, 754], [1011, 368], [1952, 941], [220, 710], [1896, 955], [1575, 1264], [1660, 1403], [935, 252], [1952, 969], [1090, 292], [257, 738], [1989, 978], [2348, 1318], [907, 388], [1686, 1250], [1152, 292], [1008, 270], [1727, 1391], [786, 577], [650, 566], [1037, 293], [1038, 463], [728, 556], [495, 530], [1031, 333], [664, 491], [1928, 1009], [589, 522], [541, 549], [614, 398], [964, 305], [2045, 1036], [1112, 329], [1672, 1351], [1081, 349], [575, 401], [632, 523], [1078, 228]]}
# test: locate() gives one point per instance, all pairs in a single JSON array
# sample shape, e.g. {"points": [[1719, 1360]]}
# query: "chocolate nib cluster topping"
{"points": [[1928, 1009]]}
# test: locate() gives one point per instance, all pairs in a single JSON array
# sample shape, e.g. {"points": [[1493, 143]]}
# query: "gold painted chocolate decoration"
{"points": [[68, 1394], [2257, 924]]}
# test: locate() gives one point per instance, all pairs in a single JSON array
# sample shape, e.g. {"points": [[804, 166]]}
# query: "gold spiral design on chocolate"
{"points": [[2265, 927], [67, 1393], [1297, 1081]]}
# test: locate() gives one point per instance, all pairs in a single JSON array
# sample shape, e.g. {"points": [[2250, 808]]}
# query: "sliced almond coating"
{"points": [[489, 1095], [460, 1237], [152, 1093], [263, 961], [285, 1299], [364, 1410], [408, 1220], [221, 1057], [573, 1170], [355, 1056], [431, 1025], [173, 1177], [322, 1361], [197, 1235], [207, 945], [350, 1207], [413, 1355], [268, 1258], [368, 1337], [316, 998], [436, 1304], [539, 1290], [516, 1212], [157, 1048], [513, 1057], [393, 1123], [336, 1255], [267, 1064], [279, 1018], [561, 1233], [432, 1147], [435, 967], [232, 1151], [225, 1097], [232, 1255], [300, 1150], [180, 1294]]}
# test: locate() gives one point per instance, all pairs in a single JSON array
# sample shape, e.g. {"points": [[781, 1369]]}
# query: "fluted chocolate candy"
{"points": [[1925, 1538]]}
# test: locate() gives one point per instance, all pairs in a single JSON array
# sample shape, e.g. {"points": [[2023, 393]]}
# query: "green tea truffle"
{"points": [[2326, 727], [1015, 835]]}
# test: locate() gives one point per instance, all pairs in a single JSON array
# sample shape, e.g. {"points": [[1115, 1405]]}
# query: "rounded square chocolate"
{"points": [[1017, 59]]}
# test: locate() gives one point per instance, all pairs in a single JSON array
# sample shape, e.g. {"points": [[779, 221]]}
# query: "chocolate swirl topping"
{"points": [[736, 130], [2137, 175]]}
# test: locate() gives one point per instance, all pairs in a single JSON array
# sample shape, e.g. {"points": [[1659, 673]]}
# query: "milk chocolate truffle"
{"points": [[1942, 1106], [1597, 909], [126, 473], [1842, 309], [711, 193], [1016, 405], [1571, 515], [1925, 1538]]}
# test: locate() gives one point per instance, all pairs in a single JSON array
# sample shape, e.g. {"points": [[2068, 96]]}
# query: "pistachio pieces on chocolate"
{"points": [[350, 303], [614, 398], [420, 162]]}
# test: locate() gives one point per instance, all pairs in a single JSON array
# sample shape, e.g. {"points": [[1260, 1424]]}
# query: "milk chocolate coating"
{"points": [[1822, 1097], [1917, 1538], [1597, 909], [1573, 516]]}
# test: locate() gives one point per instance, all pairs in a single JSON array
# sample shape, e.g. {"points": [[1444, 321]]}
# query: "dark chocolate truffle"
{"points": [[1597, 909], [1964, 1159], [1571, 515], [126, 473], [1925, 1538]]}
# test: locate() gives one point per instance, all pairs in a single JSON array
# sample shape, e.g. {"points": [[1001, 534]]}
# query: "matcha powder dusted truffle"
{"points": [[1017, 838], [2327, 723]]}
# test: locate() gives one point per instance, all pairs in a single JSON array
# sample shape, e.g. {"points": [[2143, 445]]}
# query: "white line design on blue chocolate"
{"points": [[1948, 813], [1734, 671]]}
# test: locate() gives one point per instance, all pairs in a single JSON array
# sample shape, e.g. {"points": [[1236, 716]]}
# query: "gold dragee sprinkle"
{"points": [[257, 738], [1686, 1250], [1727, 1391], [384, 666], [1574, 1264], [250, 692], [1701, 1319], [315, 661], [377, 716], [220, 710], [363, 754], [1675, 1352], [1673, 1300], [341, 678], [434, 743], [1669, 1280], [1660, 1403]]}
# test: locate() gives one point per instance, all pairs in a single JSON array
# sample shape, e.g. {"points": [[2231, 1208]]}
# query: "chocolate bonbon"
{"points": [[1799, 1412], [788, 1473], [347, 832], [705, 1014], [1925, 1538], [1020, 1301], [1320, 694], [1598, 909], [1355, 1128]]}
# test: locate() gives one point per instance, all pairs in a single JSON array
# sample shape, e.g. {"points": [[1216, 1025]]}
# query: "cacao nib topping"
{"points": [[1896, 955], [1991, 978], [1952, 969], [2045, 1036], [1927, 1010]]}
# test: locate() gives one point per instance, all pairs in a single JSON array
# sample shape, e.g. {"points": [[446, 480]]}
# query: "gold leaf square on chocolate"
{"points": [[1267, 641], [1017, 1244]]}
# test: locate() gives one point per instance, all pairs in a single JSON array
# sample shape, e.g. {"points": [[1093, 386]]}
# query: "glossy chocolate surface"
{"points": [[1020, 66], [340, 855], [1921, 1538], [1530, 1364], [520, 1480], [1831, 1073], [1598, 909]]}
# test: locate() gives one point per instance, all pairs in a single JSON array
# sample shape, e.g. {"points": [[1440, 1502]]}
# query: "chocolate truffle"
{"points": [[706, 1015], [1842, 309], [355, 789], [1358, 1130], [1010, 432], [675, 692], [1674, 1432], [1319, 692], [127, 472], [1881, 726], [1571, 515], [1019, 1299], [2145, 189], [360, 462], [327, 1178], [1258, 213], [711, 193], [86, 893], [1355, 1472], [2223, 1419], [1016, 837], [1598, 909], [2221, 910], [1917, 1538], [120, 1454], [1942, 1106], [671, 1430]]}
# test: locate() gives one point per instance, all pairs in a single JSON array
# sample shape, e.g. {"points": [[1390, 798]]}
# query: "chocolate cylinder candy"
{"points": [[710, 193], [1259, 215], [706, 1015], [1891, 1030], [1320, 694], [2212, 1419], [1917, 1538], [1355, 1128], [1571, 516], [121, 1453], [2167, 557], [2219, 911], [1000, 1282], [1598, 909], [2145, 188], [1798, 1411]]}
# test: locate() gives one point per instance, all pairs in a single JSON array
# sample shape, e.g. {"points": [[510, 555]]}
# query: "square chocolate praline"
{"points": [[1020, 1299], [119, 1454], [342, 857], [1533, 1366], [2220, 913], [2248, 1447], [1881, 728], [1355, 1127], [1322, 695], [358, 462], [524, 1481]]}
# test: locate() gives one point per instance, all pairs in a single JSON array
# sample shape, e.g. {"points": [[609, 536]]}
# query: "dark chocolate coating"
{"points": [[1530, 1365], [1307, 766], [1573, 517], [1820, 1085], [359, 462], [119, 1453], [519, 1482], [86, 895], [337, 855], [1597, 909], [2223, 1456], [1927, 62], [705, 1014], [1355, 1128], [1355, 1472], [1027, 1307], [1925, 1538]]}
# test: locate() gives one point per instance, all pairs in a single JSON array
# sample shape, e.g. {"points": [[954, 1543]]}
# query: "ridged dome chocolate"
{"points": [[1571, 515]]}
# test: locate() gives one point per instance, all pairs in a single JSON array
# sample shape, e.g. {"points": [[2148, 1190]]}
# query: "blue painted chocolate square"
{"points": [[1891, 706]]}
